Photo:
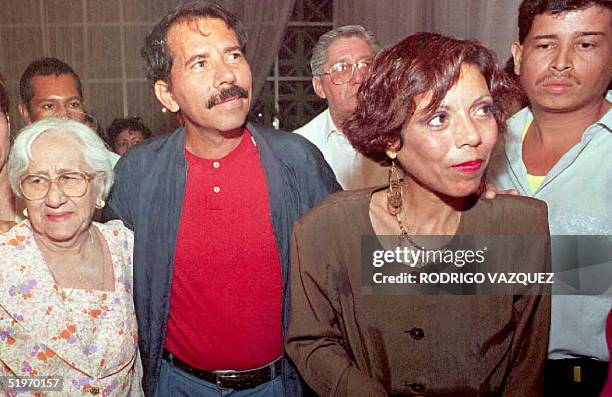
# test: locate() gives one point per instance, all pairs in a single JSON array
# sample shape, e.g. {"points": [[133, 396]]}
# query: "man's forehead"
{"points": [[349, 48], [56, 85], [194, 27], [130, 132], [583, 18]]}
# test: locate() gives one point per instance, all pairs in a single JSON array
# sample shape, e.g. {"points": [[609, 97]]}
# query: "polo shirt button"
{"points": [[216, 164], [417, 333], [216, 189], [417, 387]]}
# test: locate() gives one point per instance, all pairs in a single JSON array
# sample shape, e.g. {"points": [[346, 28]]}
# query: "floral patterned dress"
{"points": [[89, 339]]}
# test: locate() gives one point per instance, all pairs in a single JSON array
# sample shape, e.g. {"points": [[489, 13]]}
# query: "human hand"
{"points": [[490, 191]]}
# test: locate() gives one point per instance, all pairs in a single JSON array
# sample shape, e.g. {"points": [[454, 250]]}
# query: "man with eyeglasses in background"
{"points": [[340, 62]]}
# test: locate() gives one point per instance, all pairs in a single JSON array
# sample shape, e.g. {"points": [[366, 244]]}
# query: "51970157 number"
{"points": [[32, 383]]}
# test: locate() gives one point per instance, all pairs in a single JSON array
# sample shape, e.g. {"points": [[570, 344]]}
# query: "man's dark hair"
{"points": [[156, 51], [529, 9], [519, 94], [44, 67], [130, 123]]}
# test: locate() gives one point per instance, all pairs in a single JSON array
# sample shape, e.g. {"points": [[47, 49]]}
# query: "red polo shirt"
{"points": [[225, 305]]}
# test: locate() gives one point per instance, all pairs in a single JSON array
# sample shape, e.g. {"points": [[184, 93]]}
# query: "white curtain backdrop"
{"points": [[101, 39], [492, 22]]}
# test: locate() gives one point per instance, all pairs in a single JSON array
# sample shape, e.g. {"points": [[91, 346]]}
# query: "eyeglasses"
{"points": [[72, 184], [342, 72]]}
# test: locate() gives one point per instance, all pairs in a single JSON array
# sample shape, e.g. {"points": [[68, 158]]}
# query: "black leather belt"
{"points": [[574, 377], [577, 370], [238, 380]]}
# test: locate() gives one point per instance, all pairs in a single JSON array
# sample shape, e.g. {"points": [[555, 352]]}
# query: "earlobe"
{"points": [[392, 150], [25, 113], [517, 52], [99, 182], [163, 94], [318, 87]]}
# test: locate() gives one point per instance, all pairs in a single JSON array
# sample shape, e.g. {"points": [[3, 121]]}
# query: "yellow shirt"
{"points": [[534, 181]]}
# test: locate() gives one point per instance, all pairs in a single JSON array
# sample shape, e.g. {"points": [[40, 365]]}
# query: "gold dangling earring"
{"points": [[395, 191]]}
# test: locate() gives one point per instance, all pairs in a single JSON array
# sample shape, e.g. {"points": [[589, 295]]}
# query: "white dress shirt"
{"points": [[353, 170]]}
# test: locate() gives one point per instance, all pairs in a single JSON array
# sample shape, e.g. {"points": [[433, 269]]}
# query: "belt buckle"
{"points": [[577, 372], [219, 377]]}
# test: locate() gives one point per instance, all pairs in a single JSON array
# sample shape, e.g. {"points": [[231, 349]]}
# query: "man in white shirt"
{"points": [[558, 150], [340, 61]]}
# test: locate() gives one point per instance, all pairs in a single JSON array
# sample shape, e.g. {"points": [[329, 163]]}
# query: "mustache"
{"points": [[555, 76], [230, 92]]}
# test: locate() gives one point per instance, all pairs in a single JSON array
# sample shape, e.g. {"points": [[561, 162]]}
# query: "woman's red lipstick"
{"points": [[469, 166]]}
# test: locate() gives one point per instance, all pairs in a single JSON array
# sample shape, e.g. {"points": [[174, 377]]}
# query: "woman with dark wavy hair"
{"points": [[432, 106]]}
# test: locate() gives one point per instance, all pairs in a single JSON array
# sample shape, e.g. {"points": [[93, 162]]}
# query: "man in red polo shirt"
{"points": [[212, 206]]}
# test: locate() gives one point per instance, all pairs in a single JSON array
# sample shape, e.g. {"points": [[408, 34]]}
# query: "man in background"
{"points": [[50, 87], [558, 150], [340, 61]]}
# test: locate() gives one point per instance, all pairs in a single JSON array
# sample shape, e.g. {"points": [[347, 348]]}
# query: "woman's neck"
{"points": [[64, 249], [429, 213]]}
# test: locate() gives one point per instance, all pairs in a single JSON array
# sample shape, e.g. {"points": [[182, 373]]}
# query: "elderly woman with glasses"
{"points": [[66, 306], [431, 106]]}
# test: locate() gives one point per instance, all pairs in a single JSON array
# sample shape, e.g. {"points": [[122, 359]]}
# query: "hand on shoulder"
{"points": [[489, 191]]}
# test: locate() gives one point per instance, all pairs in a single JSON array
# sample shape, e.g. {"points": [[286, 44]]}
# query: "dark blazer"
{"points": [[349, 341], [148, 196]]}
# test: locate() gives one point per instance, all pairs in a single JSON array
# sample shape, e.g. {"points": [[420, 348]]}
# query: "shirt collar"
{"points": [[330, 126], [524, 117], [606, 120]]}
